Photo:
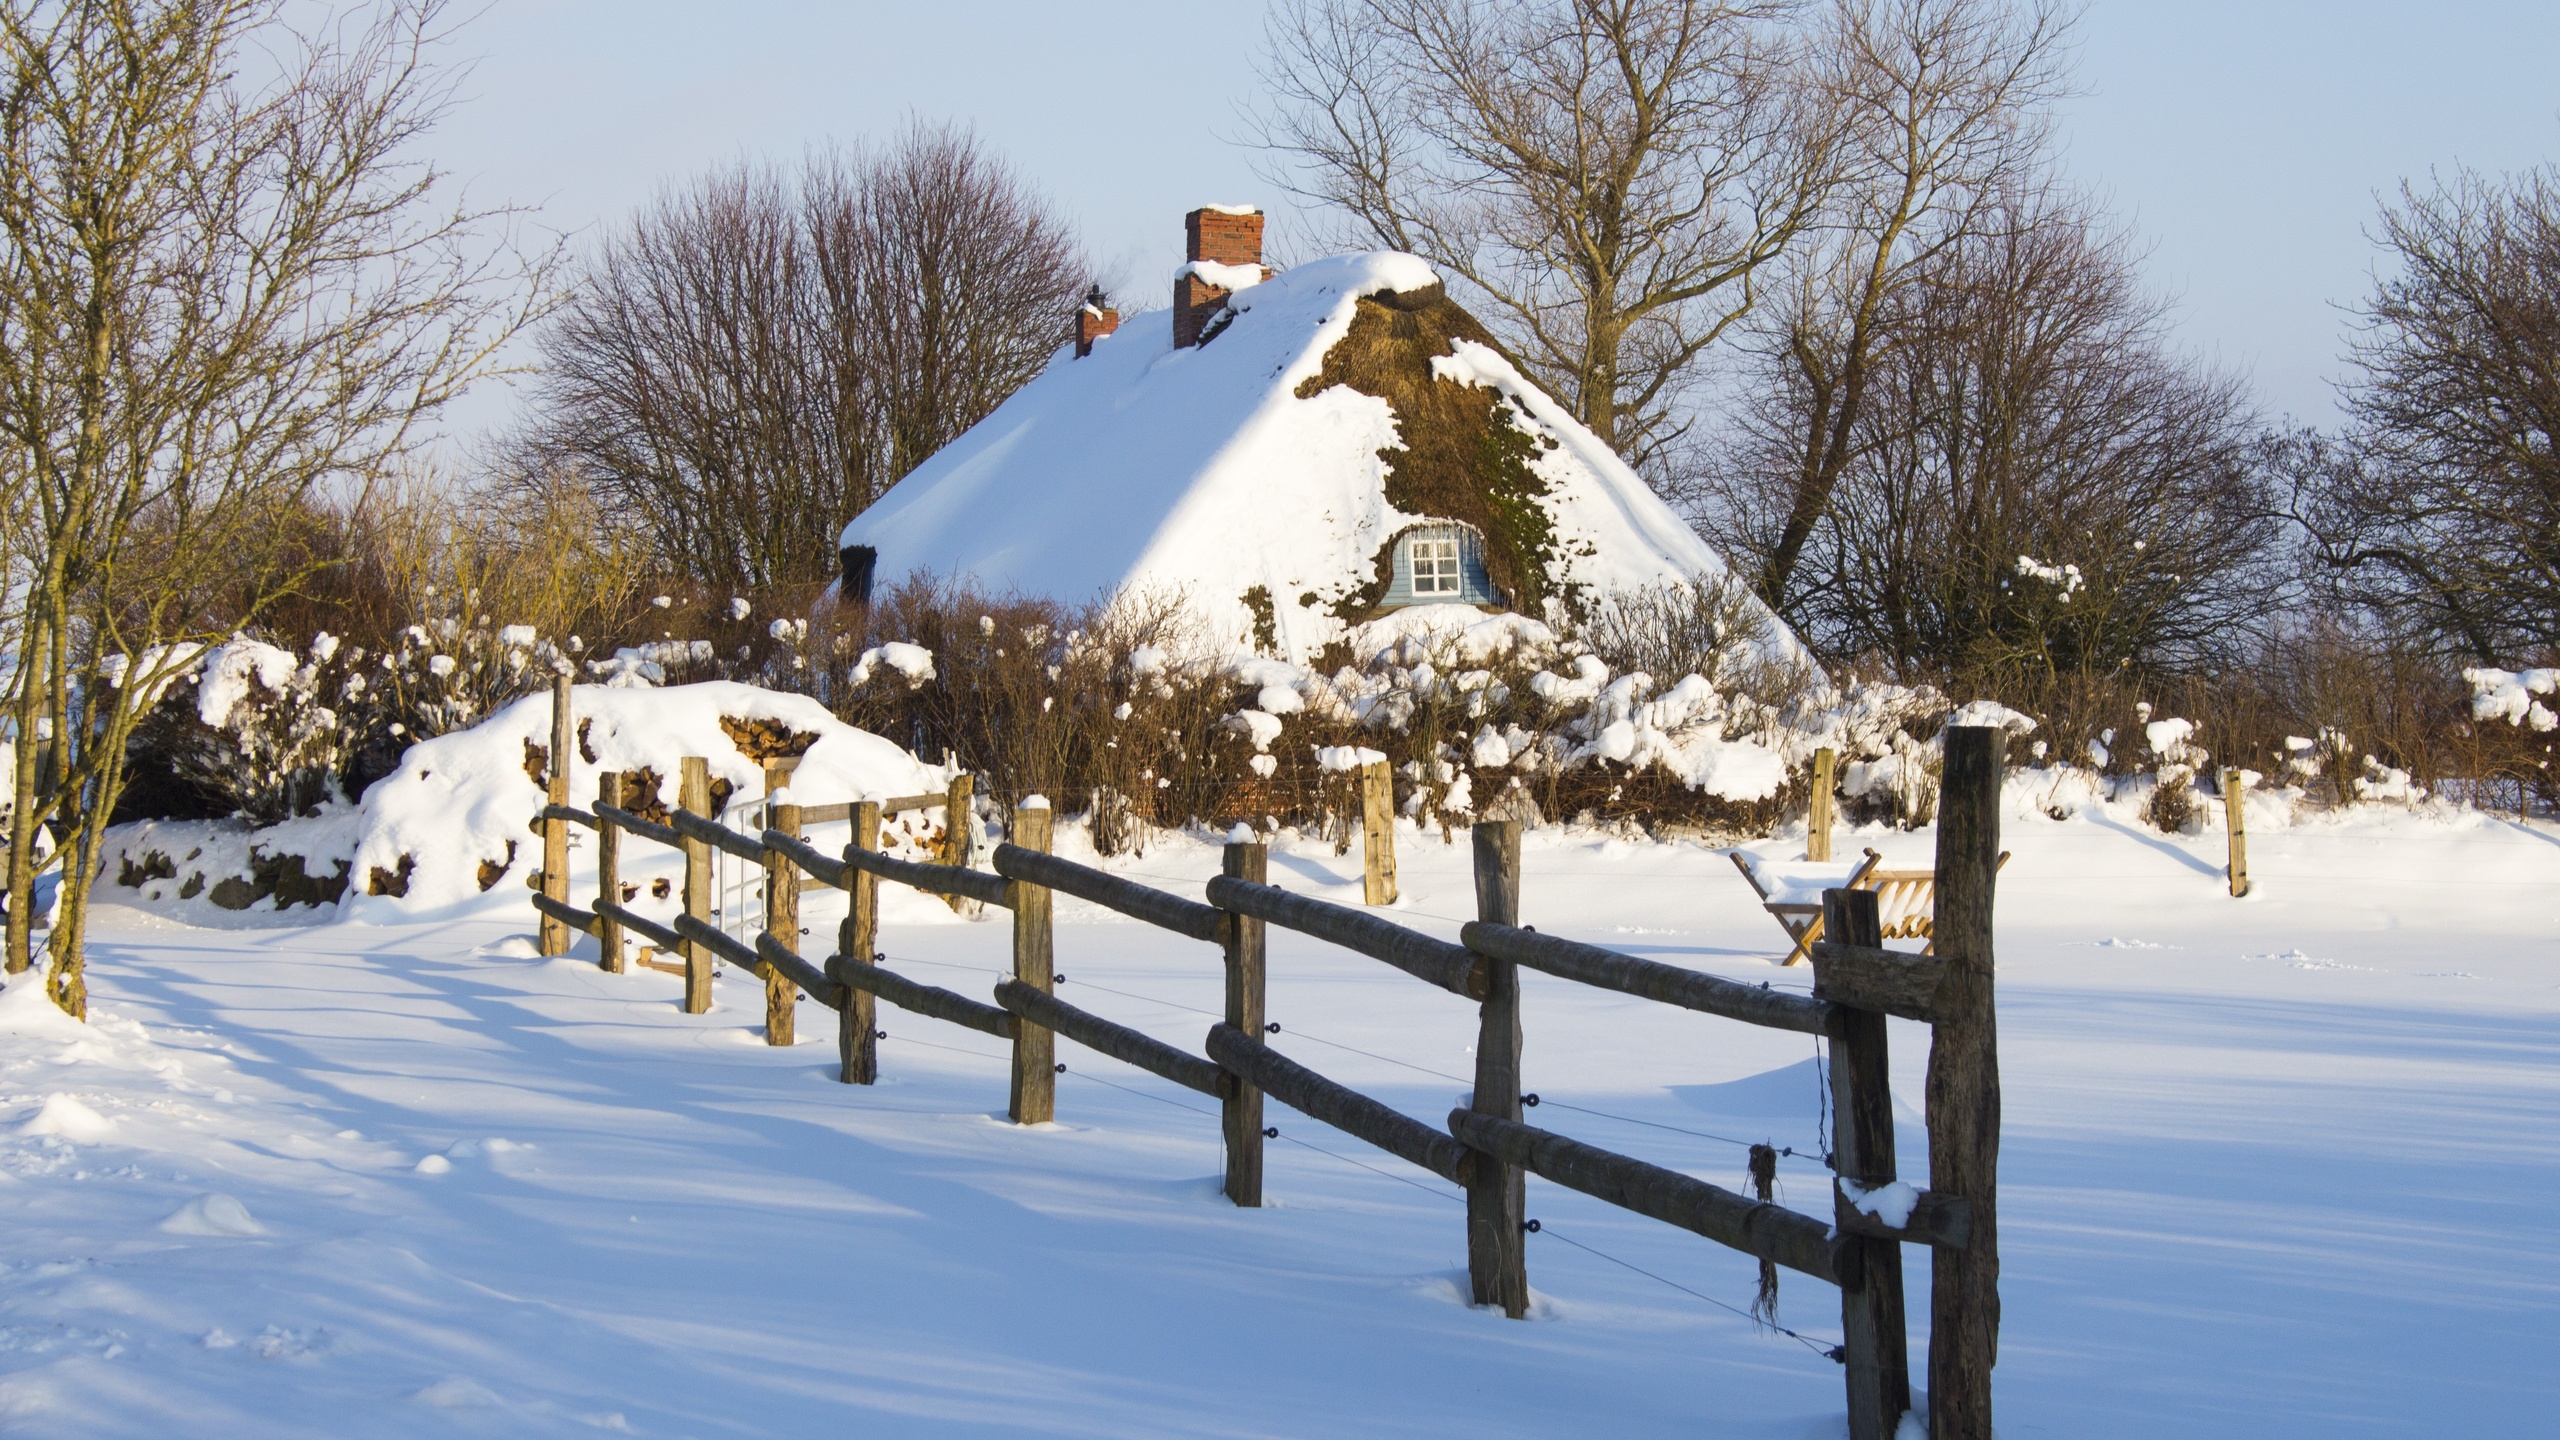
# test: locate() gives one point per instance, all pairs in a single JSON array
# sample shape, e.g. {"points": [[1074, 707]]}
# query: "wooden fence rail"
{"points": [[975, 885], [1754, 1227], [1646, 979], [1453, 968], [1484, 1148], [928, 1000], [1341, 1107]]}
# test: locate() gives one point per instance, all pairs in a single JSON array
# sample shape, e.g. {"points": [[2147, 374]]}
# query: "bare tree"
{"points": [[1610, 176], [948, 279], [2037, 482], [758, 356], [216, 294], [2443, 501], [1943, 121], [689, 382]]}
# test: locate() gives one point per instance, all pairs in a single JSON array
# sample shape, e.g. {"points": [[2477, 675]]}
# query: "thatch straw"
{"points": [[1464, 457]]}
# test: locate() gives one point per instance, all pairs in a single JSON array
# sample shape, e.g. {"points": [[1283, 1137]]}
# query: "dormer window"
{"points": [[1435, 567], [1441, 563]]}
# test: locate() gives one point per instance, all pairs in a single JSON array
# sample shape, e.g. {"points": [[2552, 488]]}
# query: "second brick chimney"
{"points": [[1218, 238], [1095, 318]]}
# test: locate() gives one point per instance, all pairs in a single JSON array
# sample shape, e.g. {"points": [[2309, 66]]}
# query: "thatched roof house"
{"points": [[1296, 453]]}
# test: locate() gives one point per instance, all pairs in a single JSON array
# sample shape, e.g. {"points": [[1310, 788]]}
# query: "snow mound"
{"points": [[213, 1213], [463, 801], [457, 1393], [26, 1011], [63, 1116], [1447, 632]]}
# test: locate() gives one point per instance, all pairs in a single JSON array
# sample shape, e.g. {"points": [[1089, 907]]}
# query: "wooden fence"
{"points": [[1485, 1149]]}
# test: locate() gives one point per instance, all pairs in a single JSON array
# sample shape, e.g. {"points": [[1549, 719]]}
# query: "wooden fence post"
{"points": [[2235, 805], [1874, 1336], [1964, 1088], [1035, 1049], [609, 870], [858, 940], [955, 829], [555, 831], [1497, 1203], [782, 922], [1822, 815], [1240, 1111], [694, 796], [1377, 834]]}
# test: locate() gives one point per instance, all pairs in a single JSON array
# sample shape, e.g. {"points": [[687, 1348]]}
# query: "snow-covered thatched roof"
{"points": [[1335, 406]]}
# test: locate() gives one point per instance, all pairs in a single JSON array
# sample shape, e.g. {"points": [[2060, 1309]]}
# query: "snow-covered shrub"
{"points": [[264, 729], [1657, 708], [2513, 734], [2176, 758], [1126, 708], [454, 668], [2386, 782]]}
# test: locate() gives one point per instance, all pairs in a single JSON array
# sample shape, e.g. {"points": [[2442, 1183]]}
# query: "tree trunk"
{"points": [[1827, 455], [23, 818]]}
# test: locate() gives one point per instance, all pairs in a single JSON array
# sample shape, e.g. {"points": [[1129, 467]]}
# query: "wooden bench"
{"points": [[1907, 900]]}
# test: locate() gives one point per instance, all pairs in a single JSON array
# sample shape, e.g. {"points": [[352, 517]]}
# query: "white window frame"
{"points": [[1436, 565]]}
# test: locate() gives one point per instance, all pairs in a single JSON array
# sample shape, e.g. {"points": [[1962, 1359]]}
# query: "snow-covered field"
{"points": [[2280, 1166]]}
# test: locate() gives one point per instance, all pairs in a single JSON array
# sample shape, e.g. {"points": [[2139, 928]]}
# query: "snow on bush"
{"points": [[1470, 695], [2066, 579], [2509, 695], [914, 662]]}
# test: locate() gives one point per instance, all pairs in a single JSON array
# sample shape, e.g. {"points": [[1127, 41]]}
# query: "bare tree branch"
{"points": [[1609, 177], [758, 356], [2444, 501], [1943, 122], [215, 297]]}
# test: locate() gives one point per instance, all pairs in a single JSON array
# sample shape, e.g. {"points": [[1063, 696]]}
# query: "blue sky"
{"points": [[2243, 143]]}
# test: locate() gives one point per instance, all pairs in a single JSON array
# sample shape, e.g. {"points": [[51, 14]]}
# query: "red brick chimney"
{"points": [[1094, 319], [1215, 236]]}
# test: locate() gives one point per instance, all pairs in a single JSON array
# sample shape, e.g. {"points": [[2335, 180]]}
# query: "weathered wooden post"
{"points": [[2235, 806], [1497, 1203], [782, 922], [609, 869], [1377, 834], [1875, 1342], [955, 829], [1035, 1049], [555, 831], [1823, 814], [693, 795], [1964, 1088], [857, 941], [1240, 1110]]}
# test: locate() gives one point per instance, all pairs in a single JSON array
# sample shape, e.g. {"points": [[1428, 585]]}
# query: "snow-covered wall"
{"points": [[452, 827]]}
